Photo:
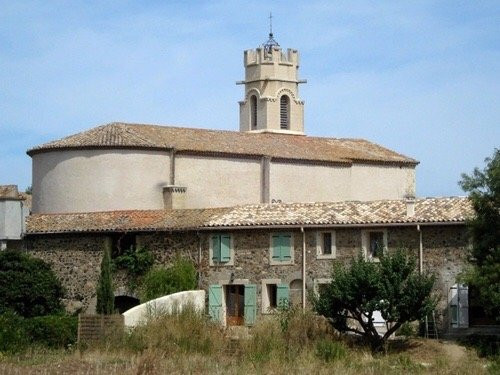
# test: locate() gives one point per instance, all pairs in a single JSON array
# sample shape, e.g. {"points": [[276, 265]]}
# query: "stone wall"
{"points": [[76, 258]]}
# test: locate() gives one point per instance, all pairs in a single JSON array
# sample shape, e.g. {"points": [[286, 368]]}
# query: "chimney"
{"points": [[410, 206], [174, 197]]}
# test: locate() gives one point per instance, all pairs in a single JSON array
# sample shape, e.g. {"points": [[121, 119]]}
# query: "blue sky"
{"points": [[422, 77]]}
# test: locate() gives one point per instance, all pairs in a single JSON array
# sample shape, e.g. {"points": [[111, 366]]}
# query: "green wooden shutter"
{"points": [[276, 247], [215, 302], [286, 247], [283, 295], [216, 248], [250, 304], [225, 248]]}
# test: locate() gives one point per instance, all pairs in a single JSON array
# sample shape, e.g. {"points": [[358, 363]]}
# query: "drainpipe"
{"points": [[420, 250], [199, 259], [303, 268]]}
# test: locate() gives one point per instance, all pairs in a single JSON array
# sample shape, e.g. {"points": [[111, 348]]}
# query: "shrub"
{"points": [[12, 333], [136, 261], [330, 351], [407, 330], [161, 281], [51, 331], [485, 345], [28, 286]]}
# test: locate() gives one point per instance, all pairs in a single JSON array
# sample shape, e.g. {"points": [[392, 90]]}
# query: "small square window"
{"points": [[327, 243], [326, 247], [376, 244], [122, 242], [272, 294], [321, 285]]}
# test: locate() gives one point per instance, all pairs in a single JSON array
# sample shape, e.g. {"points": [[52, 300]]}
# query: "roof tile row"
{"points": [[428, 210], [274, 145]]}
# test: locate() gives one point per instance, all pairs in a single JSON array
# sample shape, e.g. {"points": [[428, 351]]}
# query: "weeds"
{"points": [[188, 342]]}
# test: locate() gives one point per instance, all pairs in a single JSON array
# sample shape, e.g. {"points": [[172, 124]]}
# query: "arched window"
{"points": [[253, 112], [284, 112]]}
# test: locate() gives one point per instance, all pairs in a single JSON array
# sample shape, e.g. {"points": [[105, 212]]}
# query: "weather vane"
{"points": [[268, 46]]}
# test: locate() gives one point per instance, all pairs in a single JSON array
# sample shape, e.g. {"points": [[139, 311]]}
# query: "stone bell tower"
{"points": [[272, 102]]}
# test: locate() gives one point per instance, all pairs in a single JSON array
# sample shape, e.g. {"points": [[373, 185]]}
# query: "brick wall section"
{"points": [[76, 258]]}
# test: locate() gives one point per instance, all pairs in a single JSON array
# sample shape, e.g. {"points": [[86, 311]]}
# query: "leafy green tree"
{"points": [[161, 281], [105, 294], [483, 187], [28, 286], [394, 287]]}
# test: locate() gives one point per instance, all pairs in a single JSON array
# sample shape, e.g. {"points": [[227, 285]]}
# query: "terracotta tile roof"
{"points": [[122, 135], [390, 212]]}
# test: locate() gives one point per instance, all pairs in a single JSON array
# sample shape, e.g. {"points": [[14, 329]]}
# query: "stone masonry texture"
{"points": [[76, 259]]}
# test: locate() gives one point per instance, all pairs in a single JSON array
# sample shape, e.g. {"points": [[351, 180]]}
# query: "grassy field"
{"points": [[295, 344]]}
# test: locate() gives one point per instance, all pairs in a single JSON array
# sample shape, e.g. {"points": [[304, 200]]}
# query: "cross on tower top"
{"points": [[270, 25], [268, 46]]}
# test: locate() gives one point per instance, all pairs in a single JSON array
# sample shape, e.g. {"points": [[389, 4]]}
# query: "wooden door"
{"points": [[235, 305]]}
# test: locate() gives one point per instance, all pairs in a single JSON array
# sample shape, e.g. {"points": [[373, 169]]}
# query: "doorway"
{"points": [[235, 305]]}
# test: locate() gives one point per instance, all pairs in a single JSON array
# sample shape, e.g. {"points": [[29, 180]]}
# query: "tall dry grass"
{"points": [[289, 342]]}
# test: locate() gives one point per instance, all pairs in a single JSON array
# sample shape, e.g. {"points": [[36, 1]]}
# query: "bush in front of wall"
{"points": [[50, 331], [28, 286], [161, 281], [136, 261], [12, 333]]}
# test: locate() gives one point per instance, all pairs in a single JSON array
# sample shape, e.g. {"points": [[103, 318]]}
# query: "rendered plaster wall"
{"points": [[12, 216], [99, 180], [373, 182], [218, 181], [301, 182]]}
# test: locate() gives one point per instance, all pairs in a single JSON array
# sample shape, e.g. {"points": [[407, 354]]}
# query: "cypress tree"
{"points": [[105, 294]]}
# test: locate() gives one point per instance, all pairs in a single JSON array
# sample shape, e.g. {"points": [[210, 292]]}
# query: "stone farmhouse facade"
{"points": [[272, 251], [263, 212]]}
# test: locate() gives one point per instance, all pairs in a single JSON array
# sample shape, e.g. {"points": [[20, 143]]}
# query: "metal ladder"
{"points": [[430, 327]]}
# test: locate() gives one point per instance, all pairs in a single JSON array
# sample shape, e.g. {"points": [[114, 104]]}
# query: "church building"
{"points": [[263, 211]]}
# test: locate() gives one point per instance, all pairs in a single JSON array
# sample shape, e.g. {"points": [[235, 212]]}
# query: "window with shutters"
{"points": [[221, 249], [253, 112], [274, 294], [326, 245], [284, 112], [281, 249]]}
